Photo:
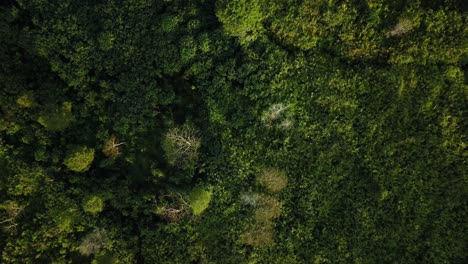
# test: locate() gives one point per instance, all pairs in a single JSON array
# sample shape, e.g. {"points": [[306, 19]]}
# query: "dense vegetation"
{"points": [[233, 131]]}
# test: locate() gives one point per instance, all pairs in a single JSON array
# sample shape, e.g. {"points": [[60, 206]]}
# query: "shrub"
{"points": [[67, 219], [244, 18], [93, 205], [199, 199], [79, 159], [26, 100], [57, 119]]}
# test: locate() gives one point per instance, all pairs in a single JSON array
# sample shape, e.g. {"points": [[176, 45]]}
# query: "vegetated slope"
{"points": [[233, 131]]}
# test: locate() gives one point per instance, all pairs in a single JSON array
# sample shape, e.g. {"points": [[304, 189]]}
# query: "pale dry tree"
{"points": [[258, 235], [267, 209], [287, 123], [172, 215], [249, 198], [13, 212], [274, 180], [174, 209], [403, 26], [277, 115], [274, 113], [181, 146], [94, 242], [112, 147]]}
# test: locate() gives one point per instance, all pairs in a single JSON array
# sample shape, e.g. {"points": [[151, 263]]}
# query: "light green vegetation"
{"points": [[199, 199]]}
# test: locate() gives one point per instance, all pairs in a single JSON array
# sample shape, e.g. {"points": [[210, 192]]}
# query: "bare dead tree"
{"points": [[94, 242], [9, 225], [181, 145], [403, 27], [112, 147], [277, 116], [174, 208], [13, 212]]}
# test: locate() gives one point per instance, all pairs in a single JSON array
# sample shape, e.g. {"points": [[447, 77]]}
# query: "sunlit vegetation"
{"points": [[233, 131]]}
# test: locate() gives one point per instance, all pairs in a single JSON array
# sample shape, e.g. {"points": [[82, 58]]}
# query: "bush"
{"points": [[79, 159], [93, 205], [26, 100], [199, 199], [57, 119], [244, 18], [67, 219]]}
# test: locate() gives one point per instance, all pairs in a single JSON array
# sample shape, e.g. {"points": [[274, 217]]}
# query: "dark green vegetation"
{"points": [[233, 131]]}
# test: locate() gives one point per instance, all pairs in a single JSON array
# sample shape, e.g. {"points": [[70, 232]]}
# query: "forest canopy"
{"points": [[233, 131]]}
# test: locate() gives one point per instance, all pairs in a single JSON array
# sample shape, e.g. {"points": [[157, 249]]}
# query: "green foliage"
{"points": [[79, 159], [93, 205], [244, 19], [199, 199], [301, 131], [26, 180], [57, 119], [26, 100], [67, 220], [442, 38], [170, 244]]}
